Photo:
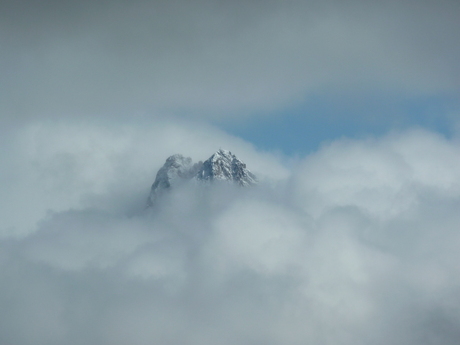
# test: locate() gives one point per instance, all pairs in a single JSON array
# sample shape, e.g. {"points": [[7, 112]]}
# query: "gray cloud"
{"points": [[213, 58], [358, 245]]}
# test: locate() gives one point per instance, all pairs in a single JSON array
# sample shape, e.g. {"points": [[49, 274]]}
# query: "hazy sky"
{"points": [[226, 59], [347, 113]]}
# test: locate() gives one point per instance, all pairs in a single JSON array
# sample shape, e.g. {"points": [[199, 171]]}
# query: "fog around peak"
{"points": [[354, 244], [347, 113]]}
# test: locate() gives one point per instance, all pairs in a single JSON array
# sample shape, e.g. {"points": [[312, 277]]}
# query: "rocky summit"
{"points": [[221, 166]]}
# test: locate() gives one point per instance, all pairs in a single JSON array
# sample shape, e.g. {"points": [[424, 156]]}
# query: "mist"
{"points": [[350, 241], [356, 243]]}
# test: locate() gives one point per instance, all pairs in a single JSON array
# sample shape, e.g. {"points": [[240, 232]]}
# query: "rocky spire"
{"points": [[221, 166], [225, 166]]}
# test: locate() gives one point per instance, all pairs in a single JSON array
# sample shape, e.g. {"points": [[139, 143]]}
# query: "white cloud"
{"points": [[360, 246], [262, 236], [57, 166], [357, 244], [383, 177]]}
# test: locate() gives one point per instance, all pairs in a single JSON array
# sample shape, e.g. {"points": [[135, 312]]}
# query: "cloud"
{"points": [[218, 59], [358, 245], [62, 165], [384, 177]]}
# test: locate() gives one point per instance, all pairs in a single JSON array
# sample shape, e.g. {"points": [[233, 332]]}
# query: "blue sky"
{"points": [[302, 129]]}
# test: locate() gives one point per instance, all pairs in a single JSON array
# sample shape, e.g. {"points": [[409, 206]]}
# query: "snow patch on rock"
{"points": [[221, 166]]}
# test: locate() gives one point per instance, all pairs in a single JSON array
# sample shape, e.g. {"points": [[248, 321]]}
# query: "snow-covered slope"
{"points": [[221, 166], [225, 166]]}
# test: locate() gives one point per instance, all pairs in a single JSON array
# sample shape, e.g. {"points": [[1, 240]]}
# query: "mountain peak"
{"points": [[225, 166], [221, 166]]}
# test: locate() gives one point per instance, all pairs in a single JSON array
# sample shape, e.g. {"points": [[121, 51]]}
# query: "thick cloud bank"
{"points": [[358, 246], [219, 56]]}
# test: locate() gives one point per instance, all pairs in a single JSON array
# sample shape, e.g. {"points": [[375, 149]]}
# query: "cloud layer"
{"points": [[358, 244], [213, 58], [74, 164]]}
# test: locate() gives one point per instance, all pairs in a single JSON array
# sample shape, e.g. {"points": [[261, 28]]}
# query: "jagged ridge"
{"points": [[221, 166]]}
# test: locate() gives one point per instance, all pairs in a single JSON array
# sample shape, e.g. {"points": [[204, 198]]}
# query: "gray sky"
{"points": [[219, 58]]}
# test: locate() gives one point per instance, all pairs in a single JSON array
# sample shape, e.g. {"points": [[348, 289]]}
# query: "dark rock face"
{"points": [[221, 166]]}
